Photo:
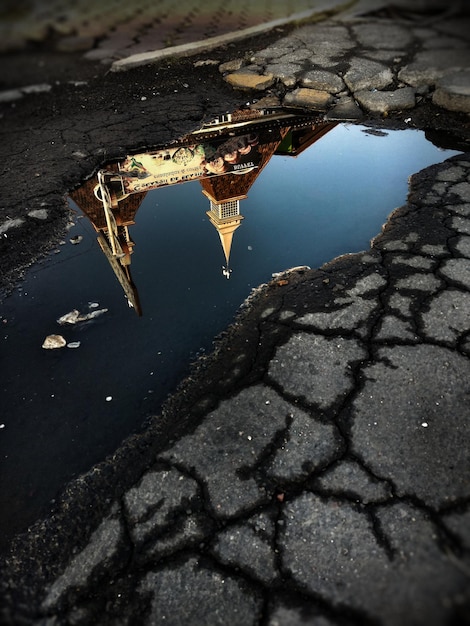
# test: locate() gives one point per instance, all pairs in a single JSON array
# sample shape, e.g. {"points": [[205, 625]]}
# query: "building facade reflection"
{"points": [[226, 156]]}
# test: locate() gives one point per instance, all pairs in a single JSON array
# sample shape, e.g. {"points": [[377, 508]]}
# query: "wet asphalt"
{"points": [[319, 472]]}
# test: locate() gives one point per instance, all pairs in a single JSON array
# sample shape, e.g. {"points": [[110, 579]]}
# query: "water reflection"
{"points": [[69, 409], [226, 156]]}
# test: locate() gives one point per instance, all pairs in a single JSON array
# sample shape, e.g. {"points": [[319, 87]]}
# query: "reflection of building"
{"points": [[124, 212], [296, 140], [225, 192], [226, 158]]}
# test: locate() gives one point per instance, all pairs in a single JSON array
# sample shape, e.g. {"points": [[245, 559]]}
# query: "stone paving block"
{"points": [[455, 27], [429, 66], [210, 597], [102, 547], [348, 477], [447, 316], [457, 271], [248, 80], [326, 37], [400, 303], [348, 315], [463, 246], [351, 310], [330, 547], [377, 35], [322, 80], [346, 110], [231, 441], [273, 53], [425, 578], [284, 615], [285, 72], [392, 328], [452, 174], [333, 549], [386, 101], [453, 92], [185, 533], [418, 449], [415, 261], [150, 505], [459, 523], [316, 368], [418, 282], [364, 74], [294, 56], [434, 42], [250, 547], [389, 57], [307, 447], [310, 98], [461, 225]]}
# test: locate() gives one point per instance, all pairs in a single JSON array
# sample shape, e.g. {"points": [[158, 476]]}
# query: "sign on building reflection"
{"points": [[226, 156]]}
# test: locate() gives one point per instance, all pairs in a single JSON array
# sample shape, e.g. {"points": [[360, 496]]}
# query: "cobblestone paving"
{"points": [[346, 66], [140, 25]]}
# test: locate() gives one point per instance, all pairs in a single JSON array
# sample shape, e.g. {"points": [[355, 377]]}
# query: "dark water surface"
{"points": [[65, 410]]}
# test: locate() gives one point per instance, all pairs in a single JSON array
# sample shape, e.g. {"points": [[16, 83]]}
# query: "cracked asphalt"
{"points": [[317, 470]]}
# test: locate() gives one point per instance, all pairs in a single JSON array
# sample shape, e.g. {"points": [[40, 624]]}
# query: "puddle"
{"points": [[192, 235]]}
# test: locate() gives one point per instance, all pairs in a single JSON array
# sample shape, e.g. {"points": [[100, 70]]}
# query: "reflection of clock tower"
{"points": [[225, 192], [226, 218]]}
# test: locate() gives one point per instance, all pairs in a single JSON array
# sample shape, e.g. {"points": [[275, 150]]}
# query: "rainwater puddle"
{"points": [[185, 257]]}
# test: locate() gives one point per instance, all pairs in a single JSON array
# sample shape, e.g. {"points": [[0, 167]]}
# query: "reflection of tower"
{"points": [[225, 191], [116, 243], [226, 218]]}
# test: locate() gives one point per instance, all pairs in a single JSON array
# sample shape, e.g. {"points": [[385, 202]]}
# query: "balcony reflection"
{"points": [[226, 156]]}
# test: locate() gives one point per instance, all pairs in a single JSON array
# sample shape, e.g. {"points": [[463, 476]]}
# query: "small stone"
{"points": [[53, 342], [453, 92], [204, 62], [41, 88], [309, 98], [385, 101], [322, 80], [8, 95], [231, 66], [366, 74], [39, 214], [248, 80], [345, 110]]}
